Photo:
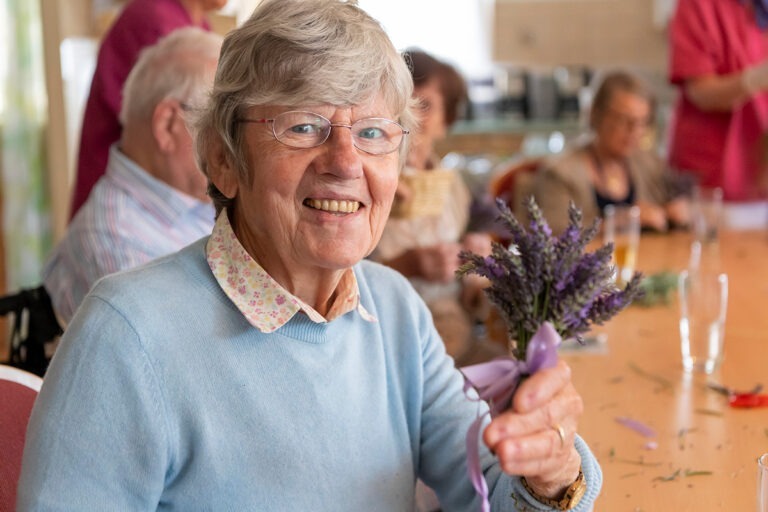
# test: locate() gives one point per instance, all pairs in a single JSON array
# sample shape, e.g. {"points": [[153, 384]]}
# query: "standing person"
{"points": [[270, 366], [719, 60], [424, 246], [152, 199], [141, 23], [613, 166]]}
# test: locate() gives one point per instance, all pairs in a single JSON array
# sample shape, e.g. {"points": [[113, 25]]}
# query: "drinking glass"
{"points": [[762, 483], [622, 228], [703, 305], [707, 213]]}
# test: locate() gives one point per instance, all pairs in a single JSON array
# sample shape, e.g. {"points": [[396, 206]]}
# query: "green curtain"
{"points": [[26, 215]]}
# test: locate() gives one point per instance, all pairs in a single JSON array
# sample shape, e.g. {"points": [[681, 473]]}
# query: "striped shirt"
{"points": [[130, 218]]}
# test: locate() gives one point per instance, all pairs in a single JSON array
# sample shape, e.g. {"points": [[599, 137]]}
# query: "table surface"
{"points": [[705, 452]]}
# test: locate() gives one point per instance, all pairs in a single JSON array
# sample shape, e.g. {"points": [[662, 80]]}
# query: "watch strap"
{"points": [[570, 498]]}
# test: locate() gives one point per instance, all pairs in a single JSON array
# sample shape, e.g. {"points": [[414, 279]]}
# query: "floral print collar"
{"points": [[262, 300]]}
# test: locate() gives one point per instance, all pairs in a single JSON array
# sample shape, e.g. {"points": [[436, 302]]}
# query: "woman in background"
{"points": [[428, 226], [719, 60], [613, 167]]}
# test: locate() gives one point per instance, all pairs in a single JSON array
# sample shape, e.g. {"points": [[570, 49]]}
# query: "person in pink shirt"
{"points": [[719, 60], [141, 23]]}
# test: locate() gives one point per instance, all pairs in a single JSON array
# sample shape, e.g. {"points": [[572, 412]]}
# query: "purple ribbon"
{"points": [[496, 382]]}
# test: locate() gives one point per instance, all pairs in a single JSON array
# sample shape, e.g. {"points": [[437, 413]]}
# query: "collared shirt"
{"points": [[264, 303], [130, 218]]}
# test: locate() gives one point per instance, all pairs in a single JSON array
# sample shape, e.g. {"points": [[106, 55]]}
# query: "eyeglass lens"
{"points": [[373, 135], [628, 121]]}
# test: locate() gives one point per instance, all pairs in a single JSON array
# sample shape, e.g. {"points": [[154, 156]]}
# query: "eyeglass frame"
{"points": [[627, 121], [330, 125]]}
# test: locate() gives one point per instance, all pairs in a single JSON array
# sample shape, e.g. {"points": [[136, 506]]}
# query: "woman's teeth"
{"points": [[333, 205]]}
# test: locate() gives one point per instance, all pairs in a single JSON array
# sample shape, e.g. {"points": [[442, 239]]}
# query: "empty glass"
{"points": [[703, 305], [762, 483], [707, 213]]}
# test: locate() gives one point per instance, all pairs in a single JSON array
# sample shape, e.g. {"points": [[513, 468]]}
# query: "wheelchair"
{"points": [[34, 326]]}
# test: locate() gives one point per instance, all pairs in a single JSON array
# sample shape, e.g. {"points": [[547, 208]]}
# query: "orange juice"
{"points": [[624, 256]]}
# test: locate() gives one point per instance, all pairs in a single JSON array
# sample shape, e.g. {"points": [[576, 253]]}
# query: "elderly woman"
{"points": [[613, 167], [269, 367]]}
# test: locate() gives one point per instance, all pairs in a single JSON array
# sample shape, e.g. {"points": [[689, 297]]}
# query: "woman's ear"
{"points": [[220, 169]]}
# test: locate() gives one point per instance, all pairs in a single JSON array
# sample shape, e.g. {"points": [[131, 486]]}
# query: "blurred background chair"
{"points": [[18, 391], [514, 184]]}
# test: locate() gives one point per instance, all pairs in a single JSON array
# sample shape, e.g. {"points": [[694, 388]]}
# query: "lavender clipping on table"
{"points": [[542, 277]]}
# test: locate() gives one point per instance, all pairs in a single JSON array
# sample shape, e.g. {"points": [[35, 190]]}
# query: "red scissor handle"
{"points": [[748, 400]]}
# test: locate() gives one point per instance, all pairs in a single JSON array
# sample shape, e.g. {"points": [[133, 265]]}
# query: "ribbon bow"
{"points": [[496, 382]]}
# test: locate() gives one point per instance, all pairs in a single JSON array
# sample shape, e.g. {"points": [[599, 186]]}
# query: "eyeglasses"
{"points": [[373, 135], [629, 122]]}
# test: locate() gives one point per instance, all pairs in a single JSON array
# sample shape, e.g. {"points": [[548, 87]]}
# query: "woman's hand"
{"points": [[653, 216], [478, 243], [527, 439], [679, 211], [438, 262]]}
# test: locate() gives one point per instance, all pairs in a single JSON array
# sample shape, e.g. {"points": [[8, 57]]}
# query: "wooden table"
{"points": [[639, 375]]}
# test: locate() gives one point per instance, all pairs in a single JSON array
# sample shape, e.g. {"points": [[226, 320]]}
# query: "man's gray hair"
{"points": [[296, 53], [178, 66]]}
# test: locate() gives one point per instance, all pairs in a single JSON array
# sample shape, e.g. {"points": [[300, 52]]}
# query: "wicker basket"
{"points": [[429, 191]]}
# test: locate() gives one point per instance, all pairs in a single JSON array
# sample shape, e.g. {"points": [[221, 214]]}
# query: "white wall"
{"points": [[458, 31]]}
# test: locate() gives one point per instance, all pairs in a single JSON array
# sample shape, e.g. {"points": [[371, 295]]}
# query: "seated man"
{"points": [[152, 200]]}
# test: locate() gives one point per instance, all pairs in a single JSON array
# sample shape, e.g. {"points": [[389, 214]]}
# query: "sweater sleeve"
{"points": [[97, 438], [447, 415]]}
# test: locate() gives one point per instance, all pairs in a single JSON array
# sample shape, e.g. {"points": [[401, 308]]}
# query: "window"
{"points": [[457, 32]]}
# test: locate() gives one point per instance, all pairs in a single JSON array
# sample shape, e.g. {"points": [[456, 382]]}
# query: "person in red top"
{"points": [[718, 58], [140, 24]]}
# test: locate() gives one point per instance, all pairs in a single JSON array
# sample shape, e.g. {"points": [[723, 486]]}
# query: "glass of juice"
{"points": [[622, 228]]}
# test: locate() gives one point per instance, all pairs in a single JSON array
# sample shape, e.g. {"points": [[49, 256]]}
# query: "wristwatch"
{"points": [[571, 497]]}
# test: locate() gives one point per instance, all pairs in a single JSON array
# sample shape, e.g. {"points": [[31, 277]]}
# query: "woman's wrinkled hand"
{"points": [[535, 439]]}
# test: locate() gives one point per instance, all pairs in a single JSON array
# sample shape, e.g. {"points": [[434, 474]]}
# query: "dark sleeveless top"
{"points": [[603, 201]]}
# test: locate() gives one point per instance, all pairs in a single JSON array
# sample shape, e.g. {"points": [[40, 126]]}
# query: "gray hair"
{"points": [[294, 53], [178, 66]]}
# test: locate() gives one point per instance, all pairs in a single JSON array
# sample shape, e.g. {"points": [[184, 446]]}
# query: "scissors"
{"points": [[742, 399]]}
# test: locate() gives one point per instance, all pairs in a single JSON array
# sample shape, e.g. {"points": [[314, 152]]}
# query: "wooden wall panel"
{"points": [[599, 33]]}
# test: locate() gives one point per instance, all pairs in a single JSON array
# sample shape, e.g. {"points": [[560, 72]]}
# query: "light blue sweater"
{"points": [[161, 396]]}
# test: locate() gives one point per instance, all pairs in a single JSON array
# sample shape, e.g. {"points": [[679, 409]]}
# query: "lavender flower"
{"points": [[542, 277]]}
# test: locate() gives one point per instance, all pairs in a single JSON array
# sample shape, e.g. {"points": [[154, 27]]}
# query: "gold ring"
{"points": [[560, 433]]}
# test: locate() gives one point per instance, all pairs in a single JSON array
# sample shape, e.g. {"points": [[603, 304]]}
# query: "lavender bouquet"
{"points": [[542, 278], [546, 288]]}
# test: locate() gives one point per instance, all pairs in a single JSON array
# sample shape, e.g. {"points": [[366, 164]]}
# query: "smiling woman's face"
{"points": [[314, 210]]}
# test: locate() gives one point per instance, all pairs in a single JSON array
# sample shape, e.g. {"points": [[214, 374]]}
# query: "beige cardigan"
{"points": [[565, 177]]}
